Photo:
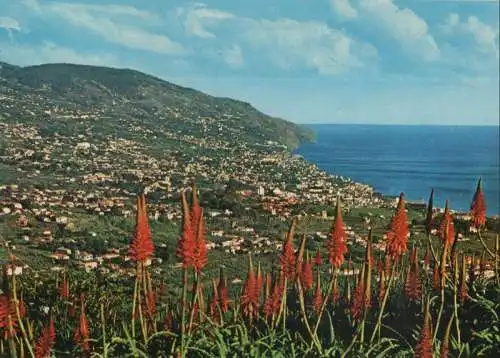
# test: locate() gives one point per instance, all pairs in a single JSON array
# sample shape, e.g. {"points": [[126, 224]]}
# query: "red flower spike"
{"points": [[446, 227], [380, 266], [215, 301], [287, 258], [424, 346], [46, 341], [478, 207], [358, 301], [397, 237], [82, 335], [335, 292], [336, 244], [306, 275], [387, 265], [8, 316], [273, 302], [427, 258], [413, 284], [200, 253], [222, 293], [436, 277], [142, 247], [196, 211], [250, 295], [381, 286], [186, 245], [317, 259], [64, 288], [463, 289], [318, 295], [259, 280]]}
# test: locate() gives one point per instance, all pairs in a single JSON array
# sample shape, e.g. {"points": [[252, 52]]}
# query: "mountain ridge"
{"points": [[127, 92]]}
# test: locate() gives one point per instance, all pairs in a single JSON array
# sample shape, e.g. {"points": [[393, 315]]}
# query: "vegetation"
{"points": [[132, 97], [390, 303]]}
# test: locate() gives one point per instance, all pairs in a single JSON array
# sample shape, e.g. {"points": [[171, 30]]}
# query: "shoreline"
{"points": [[386, 197]]}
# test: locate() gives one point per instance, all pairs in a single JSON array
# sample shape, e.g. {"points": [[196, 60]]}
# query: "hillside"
{"points": [[128, 97]]}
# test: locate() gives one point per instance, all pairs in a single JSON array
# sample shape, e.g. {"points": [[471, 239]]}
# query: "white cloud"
{"points": [[9, 24], [344, 8], [314, 45], [199, 17], [109, 22], [233, 56], [287, 43], [485, 37], [403, 25], [48, 52]]}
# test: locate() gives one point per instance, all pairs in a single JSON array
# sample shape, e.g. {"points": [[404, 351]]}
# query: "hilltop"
{"points": [[127, 97]]}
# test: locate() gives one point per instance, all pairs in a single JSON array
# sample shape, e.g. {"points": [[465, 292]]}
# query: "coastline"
{"points": [[324, 162]]}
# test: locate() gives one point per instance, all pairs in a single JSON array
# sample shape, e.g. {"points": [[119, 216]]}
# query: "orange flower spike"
{"points": [[397, 237], [196, 211], [317, 259], [368, 265], [222, 293], [424, 346], [186, 245], [381, 286], [287, 258], [336, 244], [436, 277], [200, 254], [478, 207], [446, 227], [463, 290], [427, 258], [413, 284], [64, 288], [318, 296], [82, 334], [142, 247], [46, 341], [272, 302], [250, 295], [259, 280], [306, 275], [357, 305], [215, 300]]}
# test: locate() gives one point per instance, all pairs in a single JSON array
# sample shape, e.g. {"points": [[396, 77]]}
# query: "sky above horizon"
{"points": [[309, 61]]}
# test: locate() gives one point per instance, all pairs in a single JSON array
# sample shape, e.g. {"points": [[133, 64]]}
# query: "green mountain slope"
{"points": [[130, 97]]}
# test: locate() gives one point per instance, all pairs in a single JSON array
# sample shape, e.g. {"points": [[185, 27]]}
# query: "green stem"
{"points": [[384, 302], [455, 303], [103, 323], [195, 298], [314, 337], [433, 252], [325, 301], [484, 244], [18, 314], [183, 314], [134, 305]]}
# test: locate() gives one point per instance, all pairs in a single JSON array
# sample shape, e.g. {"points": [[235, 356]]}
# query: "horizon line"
{"points": [[399, 124]]}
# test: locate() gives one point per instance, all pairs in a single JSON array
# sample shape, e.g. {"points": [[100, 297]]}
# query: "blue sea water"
{"points": [[413, 159]]}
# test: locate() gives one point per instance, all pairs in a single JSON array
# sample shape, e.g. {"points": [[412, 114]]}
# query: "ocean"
{"points": [[413, 159]]}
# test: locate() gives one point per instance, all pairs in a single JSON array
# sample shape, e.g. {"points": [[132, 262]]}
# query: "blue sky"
{"points": [[309, 61]]}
